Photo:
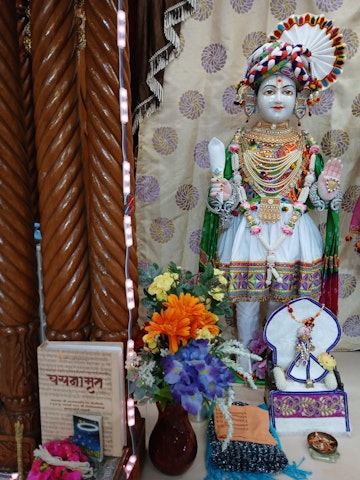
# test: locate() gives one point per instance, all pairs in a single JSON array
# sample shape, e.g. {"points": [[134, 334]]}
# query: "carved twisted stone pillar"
{"points": [[108, 258], [18, 272], [62, 208]]}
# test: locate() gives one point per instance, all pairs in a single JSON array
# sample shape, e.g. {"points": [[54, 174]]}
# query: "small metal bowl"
{"points": [[322, 442]]}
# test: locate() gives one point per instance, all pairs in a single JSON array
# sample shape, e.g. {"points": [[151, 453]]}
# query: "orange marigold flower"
{"points": [[209, 322], [181, 320], [188, 306], [175, 327]]}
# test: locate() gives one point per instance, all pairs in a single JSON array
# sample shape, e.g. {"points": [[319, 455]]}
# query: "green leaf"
{"points": [[146, 276]]}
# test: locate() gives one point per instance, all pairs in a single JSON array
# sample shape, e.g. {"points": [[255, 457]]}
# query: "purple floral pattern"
{"points": [[147, 188], [144, 265], [242, 6], [194, 241], [228, 101], [282, 10], [187, 197], [326, 6], [351, 40], [351, 326], [213, 58], [327, 99], [252, 41], [203, 10], [355, 107], [201, 154], [191, 104], [162, 230], [165, 140], [335, 143], [349, 199], [347, 285]]}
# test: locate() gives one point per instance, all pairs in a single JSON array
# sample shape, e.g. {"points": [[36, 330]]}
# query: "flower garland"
{"points": [[299, 206], [60, 459]]}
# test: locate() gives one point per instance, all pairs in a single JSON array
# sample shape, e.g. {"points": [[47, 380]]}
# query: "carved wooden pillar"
{"points": [[18, 273], [60, 171], [24, 34], [108, 257]]}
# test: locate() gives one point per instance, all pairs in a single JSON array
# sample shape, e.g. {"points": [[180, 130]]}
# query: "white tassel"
{"points": [[235, 162], [271, 270], [279, 377], [303, 195], [312, 162]]}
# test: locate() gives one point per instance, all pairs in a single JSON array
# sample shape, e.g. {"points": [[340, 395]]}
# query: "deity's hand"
{"points": [[329, 179], [220, 189]]}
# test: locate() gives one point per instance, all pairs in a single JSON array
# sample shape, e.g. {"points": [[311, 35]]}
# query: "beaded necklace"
{"points": [[268, 175], [308, 322], [237, 146]]}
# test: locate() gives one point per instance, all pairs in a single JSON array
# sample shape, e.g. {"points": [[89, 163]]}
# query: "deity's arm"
{"points": [[220, 188], [329, 180], [326, 192]]}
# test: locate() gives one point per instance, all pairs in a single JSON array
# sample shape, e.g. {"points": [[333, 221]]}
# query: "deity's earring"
{"points": [[300, 106], [246, 97]]}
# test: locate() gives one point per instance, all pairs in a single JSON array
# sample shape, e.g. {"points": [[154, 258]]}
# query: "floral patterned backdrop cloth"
{"points": [[173, 169]]}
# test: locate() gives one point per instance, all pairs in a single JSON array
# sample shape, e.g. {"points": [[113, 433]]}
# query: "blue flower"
{"points": [[194, 375]]}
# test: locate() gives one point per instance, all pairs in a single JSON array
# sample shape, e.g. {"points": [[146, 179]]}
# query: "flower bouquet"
{"points": [[181, 356]]}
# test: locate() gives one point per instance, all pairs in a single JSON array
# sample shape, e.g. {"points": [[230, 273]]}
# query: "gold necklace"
{"points": [[272, 134], [266, 178]]}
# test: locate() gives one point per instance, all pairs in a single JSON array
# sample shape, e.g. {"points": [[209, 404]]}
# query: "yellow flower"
{"points": [[161, 296], [217, 294], [174, 275], [204, 333], [164, 281], [327, 361], [150, 344], [161, 285], [220, 276]]}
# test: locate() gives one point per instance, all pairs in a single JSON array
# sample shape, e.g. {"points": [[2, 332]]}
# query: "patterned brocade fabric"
{"points": [[248, 281], [309, 405]]}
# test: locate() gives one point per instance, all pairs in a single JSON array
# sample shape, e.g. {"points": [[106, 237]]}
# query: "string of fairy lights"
{"points": [[128, 210]]}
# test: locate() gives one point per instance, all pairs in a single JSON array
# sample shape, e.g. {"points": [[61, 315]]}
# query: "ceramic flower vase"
{"points": [[172, 443]]}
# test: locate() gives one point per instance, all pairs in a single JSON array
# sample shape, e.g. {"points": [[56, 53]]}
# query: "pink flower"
{"points": [[257, 345], [234, 147], [314, 149], [63, 449], [287, 230], [260, 369], [300, 206], [255, 230], [245, 205]]}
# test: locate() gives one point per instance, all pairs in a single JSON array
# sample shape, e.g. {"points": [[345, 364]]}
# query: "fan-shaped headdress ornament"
{"points": [[307, 48]]}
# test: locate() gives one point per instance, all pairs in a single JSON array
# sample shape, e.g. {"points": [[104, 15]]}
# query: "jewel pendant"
{"points": [[270, 211]]}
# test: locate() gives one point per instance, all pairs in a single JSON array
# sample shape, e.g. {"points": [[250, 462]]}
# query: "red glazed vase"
{"points": [[172, 443]]}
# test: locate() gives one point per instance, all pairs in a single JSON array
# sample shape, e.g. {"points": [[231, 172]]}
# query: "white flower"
{"points": [[145, 373], [330, 381], [279, 377]]}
